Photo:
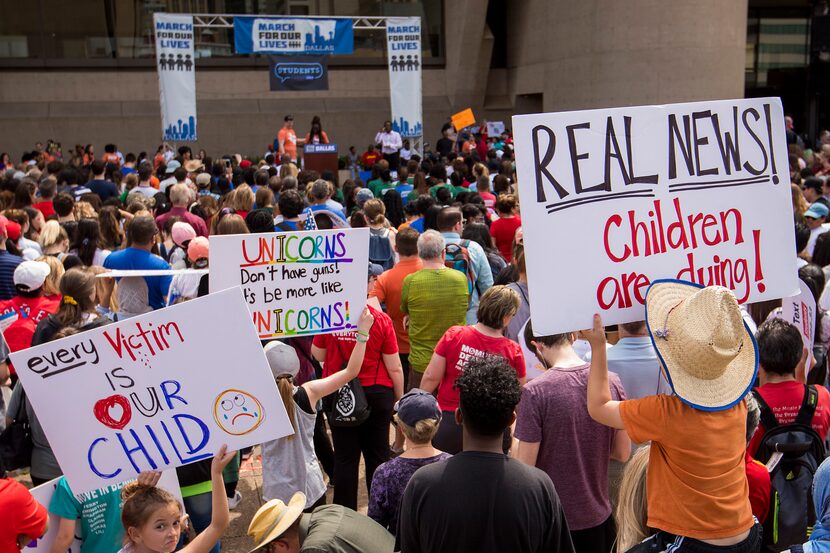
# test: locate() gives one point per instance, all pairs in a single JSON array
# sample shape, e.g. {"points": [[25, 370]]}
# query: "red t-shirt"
{"points": [[20, 514], [339, 346], [458, 345], [46, 208], [369, 159], [760, 487], [503, 230], [784, 398]]}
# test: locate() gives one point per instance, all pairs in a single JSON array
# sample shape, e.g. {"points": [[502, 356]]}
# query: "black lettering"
{"points": [[729, 149], [645, 179], [541, 165], [701, 141], [685, 149], [576, 156], [747, 165]]}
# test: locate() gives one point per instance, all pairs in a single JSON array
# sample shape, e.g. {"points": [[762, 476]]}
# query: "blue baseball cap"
{"points": [[417, 405], [817, 210]]}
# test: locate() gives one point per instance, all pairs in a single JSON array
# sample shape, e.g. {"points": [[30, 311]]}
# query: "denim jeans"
{"points": [[200, 509]]}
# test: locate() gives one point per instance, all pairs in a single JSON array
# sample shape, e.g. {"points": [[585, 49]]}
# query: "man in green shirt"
{"points": [[434, 299], [280, 528]]}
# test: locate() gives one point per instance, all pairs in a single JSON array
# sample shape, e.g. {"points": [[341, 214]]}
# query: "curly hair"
{"points": [[489, 391]]}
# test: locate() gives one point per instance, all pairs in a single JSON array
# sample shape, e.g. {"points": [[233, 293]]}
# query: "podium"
{"points": [[320, 158]]}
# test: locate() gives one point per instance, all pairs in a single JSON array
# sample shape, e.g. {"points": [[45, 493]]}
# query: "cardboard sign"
{"points": [[800, 310], [463, 119], [43, 495], [295, 283], [155, 391], [613, 199]]}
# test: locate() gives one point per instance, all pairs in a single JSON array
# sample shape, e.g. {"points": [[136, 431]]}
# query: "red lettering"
{"points": [[614, 220]]}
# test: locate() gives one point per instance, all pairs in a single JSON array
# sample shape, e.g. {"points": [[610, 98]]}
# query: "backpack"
{"points": [[457, 256], [791, 514], [19, 333], [380, 250]]}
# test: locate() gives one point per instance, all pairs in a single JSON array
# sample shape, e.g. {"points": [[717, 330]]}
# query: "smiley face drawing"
{"points": [[237, 412]]}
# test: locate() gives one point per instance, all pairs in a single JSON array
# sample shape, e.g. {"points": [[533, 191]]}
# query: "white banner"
{"points": [[403, 45], [295, 283], [153, 392], [177, 81], [613, 199]]}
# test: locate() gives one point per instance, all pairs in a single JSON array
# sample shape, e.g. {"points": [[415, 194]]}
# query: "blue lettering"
{"points": [[92, 463], [169, 396], [139, 447]]}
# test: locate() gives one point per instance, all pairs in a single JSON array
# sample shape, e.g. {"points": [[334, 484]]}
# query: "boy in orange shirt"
{"points": [[698, 497]]}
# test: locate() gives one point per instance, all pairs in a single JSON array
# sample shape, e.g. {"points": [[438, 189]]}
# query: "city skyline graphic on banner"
{"points": [[181, 130], [318, 41], [403, 127]]}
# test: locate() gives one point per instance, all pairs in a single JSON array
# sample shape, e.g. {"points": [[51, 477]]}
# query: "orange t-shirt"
{"points": [[388, 290], [696, 480], [288, 139]]}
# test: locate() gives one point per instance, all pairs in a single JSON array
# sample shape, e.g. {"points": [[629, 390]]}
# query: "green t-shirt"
{"points": [[435, 300], [99, 512], [377, 187]]}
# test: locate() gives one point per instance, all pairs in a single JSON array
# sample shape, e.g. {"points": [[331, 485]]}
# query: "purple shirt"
{"points": [[574, 449], [388, 484], [195, 221]]}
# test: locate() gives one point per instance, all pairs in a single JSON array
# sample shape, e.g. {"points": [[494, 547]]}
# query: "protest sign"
{"points": [[152, 392], [43, 495], [613, 199], [495, 128], [298, 72], [292, 35], [463, 119], [295, 283], [800, 310]]}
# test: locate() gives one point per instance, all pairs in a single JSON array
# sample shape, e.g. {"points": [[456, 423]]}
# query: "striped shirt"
{"points": [[8, 263]]}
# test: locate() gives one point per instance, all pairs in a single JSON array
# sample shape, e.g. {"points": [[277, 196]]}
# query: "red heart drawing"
{"points": [[102, 411]]}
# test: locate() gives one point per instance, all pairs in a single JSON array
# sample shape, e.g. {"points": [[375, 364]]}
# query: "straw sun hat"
{"points": [[710, 355], [274, 518]]}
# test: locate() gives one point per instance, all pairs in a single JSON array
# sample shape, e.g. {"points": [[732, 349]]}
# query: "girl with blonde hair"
{"points": [[631, 513], [53, 239], [381, 235], [51, 286]]}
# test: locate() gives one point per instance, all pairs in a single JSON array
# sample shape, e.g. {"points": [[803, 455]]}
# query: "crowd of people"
{"points": [[476, 433]]}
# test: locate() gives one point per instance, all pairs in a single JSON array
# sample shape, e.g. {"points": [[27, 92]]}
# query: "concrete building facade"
{"points": [[498, 57]]}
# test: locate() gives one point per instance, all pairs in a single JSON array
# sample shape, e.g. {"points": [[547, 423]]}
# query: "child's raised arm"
{"points": [[601, 407], [220, 517]]}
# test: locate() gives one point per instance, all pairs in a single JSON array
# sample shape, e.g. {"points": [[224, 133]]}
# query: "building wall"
{"points": [[562, 55]]}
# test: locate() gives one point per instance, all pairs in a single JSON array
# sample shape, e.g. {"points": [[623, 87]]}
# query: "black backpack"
{"points": [[791, 514]]}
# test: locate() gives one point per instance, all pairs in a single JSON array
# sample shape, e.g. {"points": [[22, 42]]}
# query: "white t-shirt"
{"points": [[814, 234]]}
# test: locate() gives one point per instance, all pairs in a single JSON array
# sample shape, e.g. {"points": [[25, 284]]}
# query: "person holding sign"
{"points": [[153, 518], [381, 376], [710, 359], [289, 463]]}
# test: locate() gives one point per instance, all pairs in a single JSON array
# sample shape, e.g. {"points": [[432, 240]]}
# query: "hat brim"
{"points": [[293, 511], [717, 394]]}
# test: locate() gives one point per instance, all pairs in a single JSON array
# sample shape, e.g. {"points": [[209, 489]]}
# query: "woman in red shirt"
{"points": [[503, 229], [381, 376], [459, 344]]}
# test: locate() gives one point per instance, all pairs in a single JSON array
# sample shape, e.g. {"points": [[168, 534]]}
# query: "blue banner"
{"points": [[292, 35]]}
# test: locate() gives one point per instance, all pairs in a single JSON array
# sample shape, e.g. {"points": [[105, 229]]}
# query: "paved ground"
{"points": [[250, 484]]}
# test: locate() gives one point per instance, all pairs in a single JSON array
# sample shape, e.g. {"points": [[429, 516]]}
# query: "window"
{"points": [[114, 32], [774, 44]]}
